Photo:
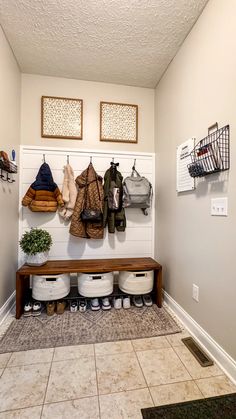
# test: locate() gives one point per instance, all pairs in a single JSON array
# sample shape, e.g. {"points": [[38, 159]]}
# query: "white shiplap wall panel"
{"points": [[97, 248], [130, 234], [136, 241], [134, 218]]}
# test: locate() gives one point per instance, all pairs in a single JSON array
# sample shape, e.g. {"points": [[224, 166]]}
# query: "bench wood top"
{"points": [[90, 266]]}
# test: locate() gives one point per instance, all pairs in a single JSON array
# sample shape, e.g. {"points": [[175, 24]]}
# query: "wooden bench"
{"points": [[54, 267]]}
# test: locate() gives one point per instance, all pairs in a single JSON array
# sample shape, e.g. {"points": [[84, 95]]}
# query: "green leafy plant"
{"points": [[35, 241]]}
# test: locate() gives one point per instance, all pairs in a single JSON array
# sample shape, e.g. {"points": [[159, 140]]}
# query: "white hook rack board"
{"points": [[136, 241]]}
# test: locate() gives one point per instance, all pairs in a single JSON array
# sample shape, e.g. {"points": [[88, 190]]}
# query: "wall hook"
{"points": [[68, 159], [44, 158], [9, 179], [2, 176], [91, 159], [134, 164]]}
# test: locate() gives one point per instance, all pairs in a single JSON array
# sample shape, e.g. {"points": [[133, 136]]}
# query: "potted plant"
{"points": [[36, 244]]}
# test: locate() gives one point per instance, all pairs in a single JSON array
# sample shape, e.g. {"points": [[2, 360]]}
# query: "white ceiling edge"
{"points": [[89, 80]]}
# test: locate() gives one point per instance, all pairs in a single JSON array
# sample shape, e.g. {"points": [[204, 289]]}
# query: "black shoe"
{"points": [[28, 309], [37, 308]]}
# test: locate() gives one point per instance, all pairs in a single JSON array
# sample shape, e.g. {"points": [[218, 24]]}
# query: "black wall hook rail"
{"points": [[9, 180], [2, 176], [6, 179]]}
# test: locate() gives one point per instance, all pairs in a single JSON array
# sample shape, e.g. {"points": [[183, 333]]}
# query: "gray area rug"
{"points": [[89, 327]]}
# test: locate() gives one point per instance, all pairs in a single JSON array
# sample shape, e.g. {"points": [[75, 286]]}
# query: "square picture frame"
{"points": [[118, 122], [61, 117]]}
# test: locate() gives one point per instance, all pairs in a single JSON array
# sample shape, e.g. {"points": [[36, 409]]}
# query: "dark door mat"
{"points": [[220, 407], [89, 327]]}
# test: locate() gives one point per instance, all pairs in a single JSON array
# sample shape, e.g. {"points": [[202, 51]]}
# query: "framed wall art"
{"points": [[61, 117], [118, 122]]}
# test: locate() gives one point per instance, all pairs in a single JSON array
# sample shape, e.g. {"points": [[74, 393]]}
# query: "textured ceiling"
{"points": [[115, 41]]}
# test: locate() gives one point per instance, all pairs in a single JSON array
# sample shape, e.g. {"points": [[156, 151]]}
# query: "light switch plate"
{"points": [[219, 206]]}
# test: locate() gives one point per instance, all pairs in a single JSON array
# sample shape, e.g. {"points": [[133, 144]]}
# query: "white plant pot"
{"points": [[38, 259]]}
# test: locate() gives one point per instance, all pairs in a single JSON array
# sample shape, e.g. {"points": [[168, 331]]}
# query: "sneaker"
{"points": [[126, 302], [106, 303], [73, 306], [117, 303], [95, 304], [50, 307], [61, 305], [37, 308], [138, 302], [82, 306], [147, 300], [28, 309]]}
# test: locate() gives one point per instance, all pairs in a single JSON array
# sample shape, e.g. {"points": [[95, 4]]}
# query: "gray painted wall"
{"points": [[198, 89], [10, 85]]}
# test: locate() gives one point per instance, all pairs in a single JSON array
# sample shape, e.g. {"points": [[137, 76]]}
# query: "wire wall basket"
{"points": [[8, 166], [211, 154]]}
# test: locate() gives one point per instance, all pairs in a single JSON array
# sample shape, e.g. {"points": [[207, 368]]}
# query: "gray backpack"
{"points": [[137, 192]]}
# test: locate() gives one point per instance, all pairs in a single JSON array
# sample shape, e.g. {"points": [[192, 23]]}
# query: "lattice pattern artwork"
{"points": [[62, 117], [118, 122]]}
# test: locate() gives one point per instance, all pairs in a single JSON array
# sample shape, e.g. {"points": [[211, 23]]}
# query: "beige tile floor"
{"points": [[104, 381]]}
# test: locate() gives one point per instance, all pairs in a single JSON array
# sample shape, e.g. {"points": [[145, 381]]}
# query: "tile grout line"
{"points": [[46, 389], [28, 365], [199, 389], [73, 399], [20, 408], [53, 355], [194, 379], [25, 365], [173, 382], [165, 384], [9, 360], [4, 368], [41, 413], [67, 400], [190, 380], [123, 391], [99, 407], [108, 354], [72, 359], [183, 363], [143, 374], [203, 378]]}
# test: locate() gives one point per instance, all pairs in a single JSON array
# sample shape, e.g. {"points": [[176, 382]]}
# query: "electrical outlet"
{"points": [[195, 293]]}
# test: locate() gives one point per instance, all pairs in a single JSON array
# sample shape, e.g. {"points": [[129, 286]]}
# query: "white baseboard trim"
{"points": [[220, 356], [7, 306]]}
